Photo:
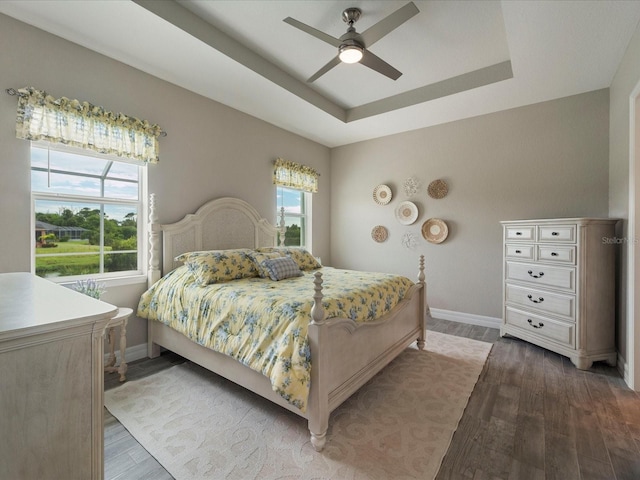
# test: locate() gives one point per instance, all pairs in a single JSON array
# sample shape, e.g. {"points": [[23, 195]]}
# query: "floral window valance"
{"points": [[81, 124], [294, 175]]}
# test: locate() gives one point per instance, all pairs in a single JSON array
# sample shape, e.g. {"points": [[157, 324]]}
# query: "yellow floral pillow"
{"points": [[215, 266], [259, 259], [301, 256]]}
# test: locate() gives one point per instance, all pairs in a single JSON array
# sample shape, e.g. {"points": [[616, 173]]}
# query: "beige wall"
{"points": [[210, 151], [541, 161]]}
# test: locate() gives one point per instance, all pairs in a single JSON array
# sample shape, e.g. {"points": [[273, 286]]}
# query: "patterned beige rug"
{"points": [[399, 425]]}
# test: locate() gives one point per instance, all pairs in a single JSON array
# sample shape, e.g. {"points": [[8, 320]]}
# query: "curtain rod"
{"points": [[13, 92]]}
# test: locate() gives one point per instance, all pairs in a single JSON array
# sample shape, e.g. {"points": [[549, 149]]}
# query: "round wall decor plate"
{"points": [[438, 189], [379, 233], [435, 230], [382, 194], [407, 213]]}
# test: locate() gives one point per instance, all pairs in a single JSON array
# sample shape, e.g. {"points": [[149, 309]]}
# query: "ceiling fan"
{"points": [[353, 47]]}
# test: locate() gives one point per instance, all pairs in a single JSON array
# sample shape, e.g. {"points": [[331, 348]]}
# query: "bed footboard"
{"points": [[346, 355]]}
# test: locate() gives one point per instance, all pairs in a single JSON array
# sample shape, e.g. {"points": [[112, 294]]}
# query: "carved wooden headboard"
{"points": [[219, 224]]}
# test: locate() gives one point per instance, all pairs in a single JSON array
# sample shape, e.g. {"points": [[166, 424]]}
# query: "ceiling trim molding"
{"points": [[467, 81]]}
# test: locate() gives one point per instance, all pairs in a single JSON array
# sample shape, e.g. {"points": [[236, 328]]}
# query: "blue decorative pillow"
{"points": [[259, 258], [302, 257], [281, 268]]}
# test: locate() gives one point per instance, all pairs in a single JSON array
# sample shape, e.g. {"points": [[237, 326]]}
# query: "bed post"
{"points": [[153, 273], [318, 407], [422, 304]]}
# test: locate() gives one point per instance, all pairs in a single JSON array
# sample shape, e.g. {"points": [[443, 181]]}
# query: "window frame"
{"points": [[306, 199], [109, 278]]}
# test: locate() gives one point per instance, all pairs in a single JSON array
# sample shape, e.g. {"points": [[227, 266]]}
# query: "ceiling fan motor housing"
{"points": [[351, 15]]}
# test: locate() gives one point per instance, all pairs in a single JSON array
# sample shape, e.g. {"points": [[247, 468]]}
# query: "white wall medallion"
{"points": [[379, 233], [406, 213], [411, 186], [409, 240], [382, 194]]}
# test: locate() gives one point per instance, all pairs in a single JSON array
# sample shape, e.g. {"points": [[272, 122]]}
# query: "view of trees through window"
{"points": [[85, 214], [295, 216]]}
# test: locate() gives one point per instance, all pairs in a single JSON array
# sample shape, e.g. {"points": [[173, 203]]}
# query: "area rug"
{"points": [[399, 425]]}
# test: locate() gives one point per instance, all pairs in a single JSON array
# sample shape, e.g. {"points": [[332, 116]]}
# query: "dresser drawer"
{"points": [[524, 232], [557, 233], [557, 253], [542, 275], [524, 252], [559, 332], [541, 302]]}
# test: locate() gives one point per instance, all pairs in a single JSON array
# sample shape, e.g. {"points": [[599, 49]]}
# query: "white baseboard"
{"points": [[135, 352], [623, 368], [469, 318]]}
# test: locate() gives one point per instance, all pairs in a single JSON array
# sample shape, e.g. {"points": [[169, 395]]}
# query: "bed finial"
{"points": [[154, 273], [424, 306], [283, 228], [317, 311]]}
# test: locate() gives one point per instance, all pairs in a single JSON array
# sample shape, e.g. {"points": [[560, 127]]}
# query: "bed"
{"points": [[344, 353]]}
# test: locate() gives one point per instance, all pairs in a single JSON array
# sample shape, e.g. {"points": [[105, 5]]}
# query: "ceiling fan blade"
{"points": [[313, 32], [376, 63], [388, 24], [332, 63]]}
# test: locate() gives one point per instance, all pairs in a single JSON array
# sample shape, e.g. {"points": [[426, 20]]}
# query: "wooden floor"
{"points": [[532, 415]]}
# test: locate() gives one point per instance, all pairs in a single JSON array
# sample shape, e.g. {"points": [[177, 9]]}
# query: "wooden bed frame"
{"points": [[345, 355]]}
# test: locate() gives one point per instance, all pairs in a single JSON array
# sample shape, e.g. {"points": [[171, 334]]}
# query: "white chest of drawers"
{"points": [[559, 286], [51, 380]]}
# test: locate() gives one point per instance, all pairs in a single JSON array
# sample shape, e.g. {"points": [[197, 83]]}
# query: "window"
{"points": [[87, 213], [294, 185], [297, 205]]}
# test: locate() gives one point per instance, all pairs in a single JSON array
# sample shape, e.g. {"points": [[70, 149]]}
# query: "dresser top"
{"points": [[28, 302], [578, 220]]}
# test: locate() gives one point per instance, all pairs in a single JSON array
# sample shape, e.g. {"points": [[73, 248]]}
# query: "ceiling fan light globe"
{"points": [[351, 53]]}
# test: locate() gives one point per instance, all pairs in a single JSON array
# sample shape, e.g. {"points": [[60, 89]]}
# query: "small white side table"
{"points": [[121, 319]]}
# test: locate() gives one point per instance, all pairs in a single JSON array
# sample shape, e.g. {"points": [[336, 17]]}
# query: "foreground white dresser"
{"points": [[559, 286], [51, 380]]}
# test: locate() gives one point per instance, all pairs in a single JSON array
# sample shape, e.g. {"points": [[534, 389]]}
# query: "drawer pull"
{"points": [[554, 254], [518, 251], [555, 234], [540, 324], [539, 300], [518, 233], [540, 274]]}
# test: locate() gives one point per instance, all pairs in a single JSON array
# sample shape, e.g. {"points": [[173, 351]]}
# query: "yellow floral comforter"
{"points": [[263, 323]]}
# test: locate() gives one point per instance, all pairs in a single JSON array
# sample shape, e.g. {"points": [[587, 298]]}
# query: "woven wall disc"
{"points": [[438, 189]]}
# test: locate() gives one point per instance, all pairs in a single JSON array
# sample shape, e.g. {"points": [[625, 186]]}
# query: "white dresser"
{"points": [[51, 380], [559, 286]]}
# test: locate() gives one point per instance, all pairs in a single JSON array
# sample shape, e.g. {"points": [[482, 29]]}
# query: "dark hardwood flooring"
{"points": [[532, 415]]}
